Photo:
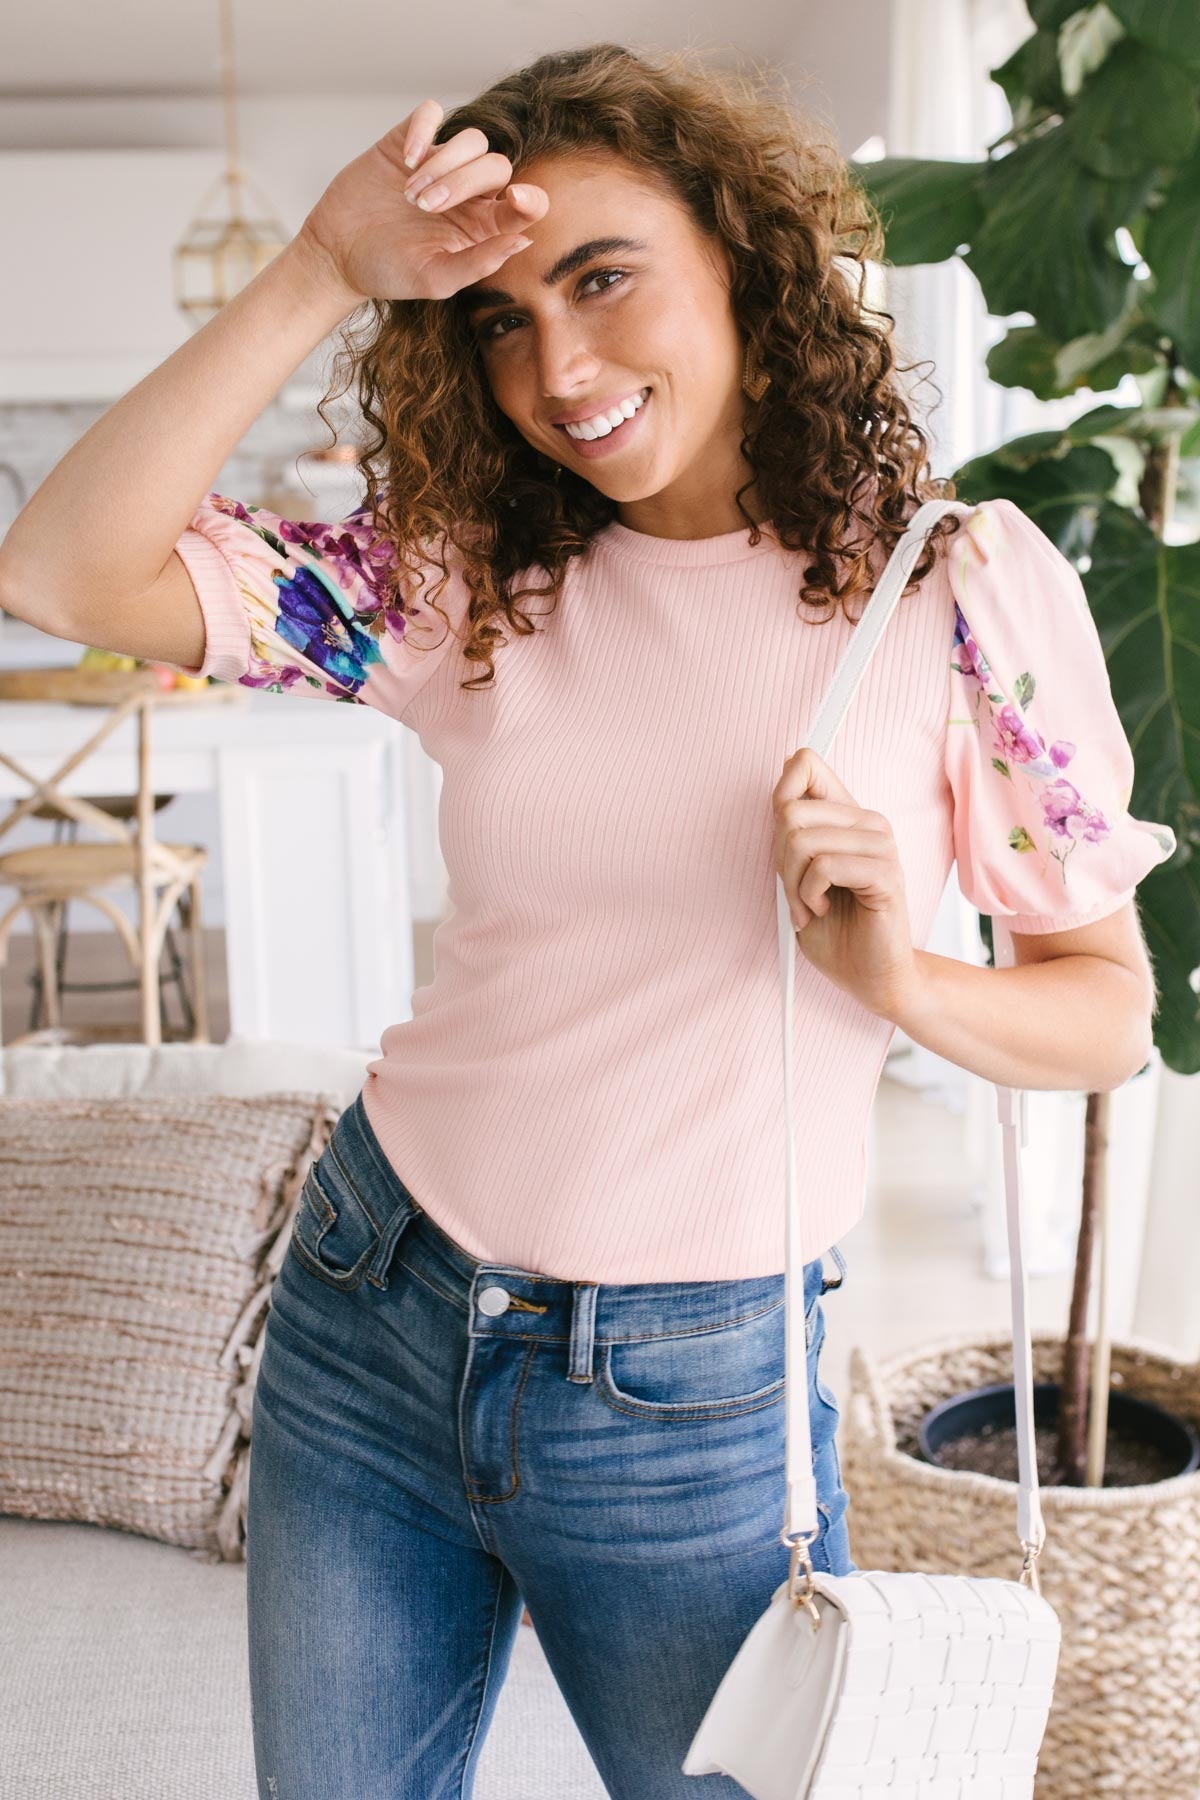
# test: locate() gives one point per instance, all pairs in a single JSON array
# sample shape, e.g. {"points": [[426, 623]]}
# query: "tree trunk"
{"points": [[1073, 1393]]}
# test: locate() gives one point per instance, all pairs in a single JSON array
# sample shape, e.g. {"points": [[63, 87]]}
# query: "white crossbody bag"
{"points": [[885, 1683]]}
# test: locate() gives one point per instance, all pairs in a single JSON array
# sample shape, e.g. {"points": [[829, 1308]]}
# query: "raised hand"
{"points": [[368, 237]]}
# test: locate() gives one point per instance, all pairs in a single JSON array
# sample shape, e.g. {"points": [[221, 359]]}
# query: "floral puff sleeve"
{"points": [[1038, 762], [298, 607]]}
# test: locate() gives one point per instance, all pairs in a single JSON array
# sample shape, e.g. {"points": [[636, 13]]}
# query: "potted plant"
{"points": [[1082, 220]]}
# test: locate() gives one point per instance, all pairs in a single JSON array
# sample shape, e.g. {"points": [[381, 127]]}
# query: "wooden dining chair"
{"points": [[66, 829], [129, 857]]}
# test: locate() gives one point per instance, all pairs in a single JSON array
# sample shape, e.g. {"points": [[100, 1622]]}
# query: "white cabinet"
{"points": [[311, 850]]}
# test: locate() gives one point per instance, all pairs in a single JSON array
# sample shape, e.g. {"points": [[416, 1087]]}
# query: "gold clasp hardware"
{"points": [[803, 1597]]}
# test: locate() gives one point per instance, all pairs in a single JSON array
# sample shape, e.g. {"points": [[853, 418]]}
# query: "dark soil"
{"points": [[1129, 1460]]}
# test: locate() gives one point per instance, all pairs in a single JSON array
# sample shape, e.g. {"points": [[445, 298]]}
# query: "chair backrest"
{"points": [[121, 694]]}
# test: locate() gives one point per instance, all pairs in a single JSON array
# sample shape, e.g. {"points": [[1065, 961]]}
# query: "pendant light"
{"points": [[224, 247]]}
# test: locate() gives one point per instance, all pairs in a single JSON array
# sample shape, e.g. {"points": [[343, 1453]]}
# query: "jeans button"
{"points": [[492, 1301]]}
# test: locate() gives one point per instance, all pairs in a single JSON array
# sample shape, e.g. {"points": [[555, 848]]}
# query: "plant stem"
{"points": [[1073, 1385]]}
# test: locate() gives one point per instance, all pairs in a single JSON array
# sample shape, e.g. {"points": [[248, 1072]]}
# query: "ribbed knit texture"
{"points": [[608, 982], [591, 1086]]}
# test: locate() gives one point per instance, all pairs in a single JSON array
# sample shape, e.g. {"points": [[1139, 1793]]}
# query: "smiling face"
{"points": [[621, 299]]}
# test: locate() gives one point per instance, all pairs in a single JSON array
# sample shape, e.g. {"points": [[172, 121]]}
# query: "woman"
{"points": [[528, 1344]]}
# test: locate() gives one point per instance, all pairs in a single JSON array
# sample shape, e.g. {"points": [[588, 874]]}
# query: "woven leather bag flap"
{"points": [[947, 1678], [923, 1687]]}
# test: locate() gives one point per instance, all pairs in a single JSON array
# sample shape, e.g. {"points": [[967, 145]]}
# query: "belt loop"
{"points": [[583, 1330], [840, 1260], [405, 1212]]}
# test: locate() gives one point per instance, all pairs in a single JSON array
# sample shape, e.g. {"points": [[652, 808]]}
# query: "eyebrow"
{"points": [[475, 298]]}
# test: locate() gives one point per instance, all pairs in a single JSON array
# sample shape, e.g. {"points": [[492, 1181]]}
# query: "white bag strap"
{"points": [[800, 1509]]}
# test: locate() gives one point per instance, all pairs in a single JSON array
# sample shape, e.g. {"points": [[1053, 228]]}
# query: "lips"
{"points": [[599, 408], [570, 427]]}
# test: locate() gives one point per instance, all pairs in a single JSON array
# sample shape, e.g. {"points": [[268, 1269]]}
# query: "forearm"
{"points": [[103, 523], [1074, 1022]]}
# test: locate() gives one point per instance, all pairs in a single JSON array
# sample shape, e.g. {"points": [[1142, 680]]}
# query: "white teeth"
{"points": [[604, 423]]}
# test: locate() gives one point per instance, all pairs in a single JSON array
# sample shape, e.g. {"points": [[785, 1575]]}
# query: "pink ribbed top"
{"points": [[591, 1085]]}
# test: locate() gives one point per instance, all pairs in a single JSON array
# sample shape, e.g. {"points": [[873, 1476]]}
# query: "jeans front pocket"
{"points": [[713, 1372], [335, 1234]]}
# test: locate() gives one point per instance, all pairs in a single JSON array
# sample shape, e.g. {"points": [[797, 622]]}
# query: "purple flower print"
{"points": [[268, 675], [310, 622], [1018, 746], [1070, 816], [358, 559], [356, 556], [316, 617], [971, 661], [1020, 743]]}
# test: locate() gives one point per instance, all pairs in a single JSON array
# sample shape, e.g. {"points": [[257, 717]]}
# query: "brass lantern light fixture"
{"points": [[224, 247]]}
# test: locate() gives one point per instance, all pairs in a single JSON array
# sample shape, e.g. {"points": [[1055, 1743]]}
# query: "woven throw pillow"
{"points": [[139, 1240]]}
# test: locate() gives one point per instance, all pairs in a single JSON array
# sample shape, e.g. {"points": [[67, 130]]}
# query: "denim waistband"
{"points": [[503, 1300]]}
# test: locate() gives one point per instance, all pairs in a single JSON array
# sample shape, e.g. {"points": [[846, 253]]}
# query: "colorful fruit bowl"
{"points": [[169, 679]]}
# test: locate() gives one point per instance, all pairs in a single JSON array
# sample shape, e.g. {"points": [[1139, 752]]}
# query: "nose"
{"points": [[566, 365]]}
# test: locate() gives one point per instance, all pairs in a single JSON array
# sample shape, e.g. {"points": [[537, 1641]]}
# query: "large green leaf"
{"points": [[1169, 907], [1047, 243], [1099, 359], [1138, 592], [1137, 111], [1032, 74], [1132, 358], [1025, 357], [1048, 15], [1145, 598], [1173, 253], [1169, 26], [1062, 493], [928, 209], [1148, 424]]}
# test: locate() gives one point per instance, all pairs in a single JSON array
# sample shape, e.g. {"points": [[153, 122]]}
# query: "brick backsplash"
{"points": [[33, 438]]}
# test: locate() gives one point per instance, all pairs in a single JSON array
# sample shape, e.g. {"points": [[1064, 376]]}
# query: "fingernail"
{"points": [[520, 193], [414, 156], [433, 196]]}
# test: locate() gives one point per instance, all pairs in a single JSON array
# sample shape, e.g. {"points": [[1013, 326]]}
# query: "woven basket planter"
{"points": [[1121, 1566]]}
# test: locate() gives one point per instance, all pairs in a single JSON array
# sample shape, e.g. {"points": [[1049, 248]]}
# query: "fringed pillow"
{"points": [[139, 1240]]}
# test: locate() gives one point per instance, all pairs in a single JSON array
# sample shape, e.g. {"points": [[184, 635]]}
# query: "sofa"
{"points": [[124, 1657]]}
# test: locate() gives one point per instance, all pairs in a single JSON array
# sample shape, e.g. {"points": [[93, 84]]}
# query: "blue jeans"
{"points": [[436, 1441]]}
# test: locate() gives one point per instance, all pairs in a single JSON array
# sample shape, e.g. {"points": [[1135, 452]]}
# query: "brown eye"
{"points": [[489, 329], [488, 332]]}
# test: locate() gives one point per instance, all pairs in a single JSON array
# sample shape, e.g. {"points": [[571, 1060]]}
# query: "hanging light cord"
{"points": [[233, 169]]}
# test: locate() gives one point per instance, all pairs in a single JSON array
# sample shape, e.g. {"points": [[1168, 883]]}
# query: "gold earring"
{"points": [[755, 380]]}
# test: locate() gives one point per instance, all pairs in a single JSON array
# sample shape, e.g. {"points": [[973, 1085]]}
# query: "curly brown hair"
{"points": [[832, 444]]}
